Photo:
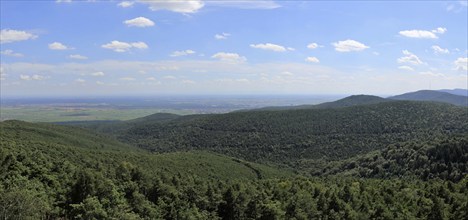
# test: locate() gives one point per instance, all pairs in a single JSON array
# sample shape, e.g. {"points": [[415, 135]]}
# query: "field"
{"points": [[56, 114], [111, 108]]}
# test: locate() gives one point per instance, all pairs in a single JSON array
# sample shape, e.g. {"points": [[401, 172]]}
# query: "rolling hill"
{"points": [[367, 160], [462, 92], [435, 96], [289, 136]]}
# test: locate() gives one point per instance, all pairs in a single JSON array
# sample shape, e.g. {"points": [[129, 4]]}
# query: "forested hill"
{"points": [[287, 136], [344, 102], [353, 101], [58, 172], [435, 96]]}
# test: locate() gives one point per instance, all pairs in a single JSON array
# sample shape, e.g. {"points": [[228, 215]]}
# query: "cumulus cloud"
{"points": [[125, 4], [63, 1], [127, 79], [287, 73], [461, 63], [312, 45], [439, 50], [121, 47], [312, 59], [170, 77], [78, 57], [139, 45], [33, 77], [222, 36], [58, 46], [269, 46], [349, 45], [409, 58], [181, 53], [406, 68], [97, 74], [439, 30], [229, 57], [139, 22], [419, 34], [9, 36], [187, 6], [11, 53], [79, 80]]}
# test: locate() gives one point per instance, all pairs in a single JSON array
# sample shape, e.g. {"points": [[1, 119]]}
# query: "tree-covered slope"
{"points": [[353, 101], [58, 172], [435, 96], [344, 102], [287, 136]]}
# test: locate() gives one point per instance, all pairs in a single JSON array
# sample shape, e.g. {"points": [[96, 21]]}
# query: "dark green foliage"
{"points": [[295, 137], [391, 160]]}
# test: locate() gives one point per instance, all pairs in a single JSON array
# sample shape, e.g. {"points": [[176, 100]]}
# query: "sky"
{"points": [[100, 48]]}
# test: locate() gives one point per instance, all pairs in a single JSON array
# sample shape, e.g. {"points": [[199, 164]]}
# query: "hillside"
{"points": [[284, 137], [344, 102], [58, 172], [435, 96], [462, 92], [352, 101]]}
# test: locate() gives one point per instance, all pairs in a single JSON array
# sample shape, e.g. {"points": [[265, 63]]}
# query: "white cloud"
{"points": [[291, 48], [140, 45], [406, 68], [10, 53], [312, 59], [418, 34], [63, 1], [312, 46], [181, 53], [9, 36], [37, 77], [269, 46], [120, 47], [461, 63], [151, 79], [78, 57], [99, 83], [188, 82], [139, 22], [169, 77], [58, 46], [409, 58], [79, 80], [222, 36], [97, 74], [349, 45], [439, 50], [25, 77], [287, 73], [186, 6], [126, 4], [229, 57], [127, 79], [33, 77], [439, 30]]}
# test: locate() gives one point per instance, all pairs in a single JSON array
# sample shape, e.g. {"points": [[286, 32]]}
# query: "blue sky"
{"points": [[79, 48]]}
